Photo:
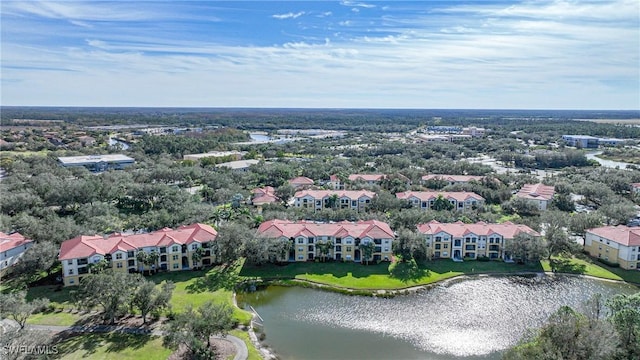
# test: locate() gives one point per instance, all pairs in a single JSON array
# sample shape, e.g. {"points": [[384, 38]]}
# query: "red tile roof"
{"points": [[301, 180], [367, 177], [12, 241], [320, 194], [452, 178], [290, 229], [459, 229], [536, 192], [85, 246], [265, 195], [432, 195], [621, 234]]}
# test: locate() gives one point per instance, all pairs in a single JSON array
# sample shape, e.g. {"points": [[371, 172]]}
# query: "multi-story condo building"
{"points": [[12, 246], [301, 182], [175, 250], [452, 179], [615, 244], [461, 200], [459, 240], [538, 194], [357, 200], [370, 179], [343, 239]]}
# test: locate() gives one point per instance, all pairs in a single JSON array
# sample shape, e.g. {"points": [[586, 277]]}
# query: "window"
{"points": [[300, 257], [348, 248], [119, 265], [194, 246], [338, 240], [311, 240], [71, 282], [446, 246], [300, 241], [175, 266], [175, 248], [438, 238], [119, 256], [457, 242], [69, 262], [437, 246], [174, 257], [163, 250], [349, 242], [386, 249], [338, 248], [70, 271], [130, 254], [310, 248], [300, 249]]}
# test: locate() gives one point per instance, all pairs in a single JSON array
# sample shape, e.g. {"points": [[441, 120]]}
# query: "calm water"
{"points": [[469, 319], [605, 162]]}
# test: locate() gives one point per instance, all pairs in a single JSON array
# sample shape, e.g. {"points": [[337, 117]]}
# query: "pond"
{"points": [[476, 318]]}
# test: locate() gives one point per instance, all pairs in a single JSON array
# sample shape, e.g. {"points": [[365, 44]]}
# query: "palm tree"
{"points": [[151, 260], [325, 249], [196, 256]]}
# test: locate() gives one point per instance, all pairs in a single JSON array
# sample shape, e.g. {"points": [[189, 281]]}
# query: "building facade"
{"points": [[12, 246], [341, 239], [459, 240], [615, 244], [539, 194], [97, 163], [357, 200], [452, 179], [175, 249], [425, 200]]}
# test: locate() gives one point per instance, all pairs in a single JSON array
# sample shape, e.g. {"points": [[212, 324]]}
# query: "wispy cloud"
{"points": [[288, 15], [493, 55]]}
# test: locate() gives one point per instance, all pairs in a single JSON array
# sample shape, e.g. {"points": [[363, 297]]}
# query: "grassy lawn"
{"points": [[588, 266], [253, 352], [112, 346], [192, 288], [379, 276]]}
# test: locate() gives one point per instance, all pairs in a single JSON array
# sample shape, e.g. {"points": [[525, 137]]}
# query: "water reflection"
{"points": [[474, 318]]}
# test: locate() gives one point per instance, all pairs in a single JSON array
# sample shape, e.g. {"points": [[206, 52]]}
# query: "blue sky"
{"points": [[538, 54]]}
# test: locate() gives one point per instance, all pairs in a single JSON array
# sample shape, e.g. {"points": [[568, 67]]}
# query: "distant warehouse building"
{"points": [[590, 142], [97, 163], [581, 141]]}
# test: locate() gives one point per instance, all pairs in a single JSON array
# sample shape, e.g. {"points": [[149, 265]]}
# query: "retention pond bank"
{"points": [[474, 318]]}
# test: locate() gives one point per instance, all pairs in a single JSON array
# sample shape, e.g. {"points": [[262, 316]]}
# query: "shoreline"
{"points": [[415, 288], [269, 354]]}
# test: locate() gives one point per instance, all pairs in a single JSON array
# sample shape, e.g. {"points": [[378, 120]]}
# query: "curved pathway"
{"points": [[242, 352]]}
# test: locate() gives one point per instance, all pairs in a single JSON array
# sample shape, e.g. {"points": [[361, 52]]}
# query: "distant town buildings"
{"points": [[539, 194], [459, 240], [174, 249], [615, 244], [12, 246], [342, 239], [97, 163], [370, 179]]}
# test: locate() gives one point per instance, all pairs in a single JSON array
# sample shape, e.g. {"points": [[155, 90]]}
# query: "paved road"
{"points": [[242, 352]]}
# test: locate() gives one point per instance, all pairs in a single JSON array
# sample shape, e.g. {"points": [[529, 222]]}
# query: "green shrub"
{"points": [[609, 263]]}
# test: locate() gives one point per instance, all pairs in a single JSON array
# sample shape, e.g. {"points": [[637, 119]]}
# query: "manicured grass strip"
{"points": [[588, 266], [254, 354], [54, 318], [112, 346], [378, 276]]}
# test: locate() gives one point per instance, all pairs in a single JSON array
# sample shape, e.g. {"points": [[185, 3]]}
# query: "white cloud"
{"points": [[475, 57], [288, 15]]}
